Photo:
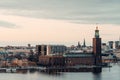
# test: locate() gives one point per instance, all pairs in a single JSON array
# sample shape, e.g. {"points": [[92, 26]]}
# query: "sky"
{"points": [[58, 21]]}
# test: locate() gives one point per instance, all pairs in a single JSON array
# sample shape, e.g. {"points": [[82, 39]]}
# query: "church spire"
{"points": [[84, 44], [78, 45]]}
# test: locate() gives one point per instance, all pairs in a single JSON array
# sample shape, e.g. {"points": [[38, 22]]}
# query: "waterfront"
{"points": [[107, 74]]}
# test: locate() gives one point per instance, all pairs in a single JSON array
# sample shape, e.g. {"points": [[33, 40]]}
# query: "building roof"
{"points": [[78, 55]]}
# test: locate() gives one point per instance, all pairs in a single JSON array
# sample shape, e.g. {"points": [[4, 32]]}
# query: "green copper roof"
{"points": [[96, 33], [78, 55]]}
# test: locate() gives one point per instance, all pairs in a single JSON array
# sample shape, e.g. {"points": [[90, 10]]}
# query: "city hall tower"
{"points": [[97, 51]]}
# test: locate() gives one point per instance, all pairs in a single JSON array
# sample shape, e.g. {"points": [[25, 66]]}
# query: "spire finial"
{"points": [[96, 27]]}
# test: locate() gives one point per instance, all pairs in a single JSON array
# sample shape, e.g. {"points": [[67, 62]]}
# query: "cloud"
{"points": [[7, 24], [77, 11]]}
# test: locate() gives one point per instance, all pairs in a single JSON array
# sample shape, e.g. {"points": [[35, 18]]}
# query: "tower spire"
{"points": [[96, 27], [84, 44], [79, 45], [96, 32]]}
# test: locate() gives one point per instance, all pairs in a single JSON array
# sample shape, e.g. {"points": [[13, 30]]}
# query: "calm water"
{"points": [[107, 74]]}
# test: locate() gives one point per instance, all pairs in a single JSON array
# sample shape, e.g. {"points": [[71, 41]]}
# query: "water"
{"points": [[107, 74]]}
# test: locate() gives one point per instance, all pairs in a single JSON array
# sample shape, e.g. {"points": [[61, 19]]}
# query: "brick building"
{"points": [[51, 61], [72, 59]]}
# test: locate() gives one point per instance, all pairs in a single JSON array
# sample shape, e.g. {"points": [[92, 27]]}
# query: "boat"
{"points": [[8, 70], [13, 70]]}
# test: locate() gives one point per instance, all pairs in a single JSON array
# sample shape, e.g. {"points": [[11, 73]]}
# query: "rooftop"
{"points": [[78, 55]]}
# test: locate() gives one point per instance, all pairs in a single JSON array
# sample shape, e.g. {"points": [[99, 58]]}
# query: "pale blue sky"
{"points": [[58, 21]]}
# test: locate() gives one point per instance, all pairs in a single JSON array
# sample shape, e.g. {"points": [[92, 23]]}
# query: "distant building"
{"points": [[52, 61], [111, 44], [105, 48], [29, 45], [50, 49], [78, 58], [41, 49], [79, 45], [117, 44], [56, 49]]}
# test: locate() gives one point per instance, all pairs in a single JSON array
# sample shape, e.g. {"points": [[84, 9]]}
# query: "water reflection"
{"points": [[113, 74], [97, 76]]}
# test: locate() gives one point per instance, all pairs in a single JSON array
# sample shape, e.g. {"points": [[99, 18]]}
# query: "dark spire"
{"points": [[84, 44], [79, 45]]}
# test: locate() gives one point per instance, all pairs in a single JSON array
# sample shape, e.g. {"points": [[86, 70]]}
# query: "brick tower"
{"points": [[97, 51]]}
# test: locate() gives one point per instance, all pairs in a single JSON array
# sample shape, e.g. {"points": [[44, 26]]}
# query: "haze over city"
{"points": [[58, 21], [60, 39]]}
